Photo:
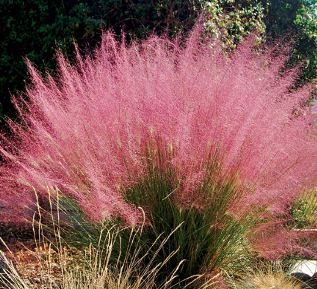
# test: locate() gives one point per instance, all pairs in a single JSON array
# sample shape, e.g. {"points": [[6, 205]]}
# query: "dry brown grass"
{"points": [[51, 267], [267, 277], [54, 265]]}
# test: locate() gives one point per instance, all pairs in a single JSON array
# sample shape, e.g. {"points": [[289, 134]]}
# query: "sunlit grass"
{"points": [[265, 277]]}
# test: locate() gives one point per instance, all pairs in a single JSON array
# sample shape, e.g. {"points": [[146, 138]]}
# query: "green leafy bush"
{"points": [[295, 20], [304, 210], [34, 29], [231, 21]]}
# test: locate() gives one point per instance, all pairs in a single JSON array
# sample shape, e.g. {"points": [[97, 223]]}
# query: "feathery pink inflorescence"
{"points": [[86, 131]]}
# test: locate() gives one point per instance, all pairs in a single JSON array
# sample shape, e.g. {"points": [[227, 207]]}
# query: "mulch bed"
{"points": [[30, 258]]}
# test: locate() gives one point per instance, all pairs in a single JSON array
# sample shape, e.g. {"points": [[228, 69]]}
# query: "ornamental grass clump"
{"points": [[176, 131], [268, 277]]}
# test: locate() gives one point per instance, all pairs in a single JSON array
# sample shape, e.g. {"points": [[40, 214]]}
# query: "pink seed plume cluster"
{"points": [[85, 131]]}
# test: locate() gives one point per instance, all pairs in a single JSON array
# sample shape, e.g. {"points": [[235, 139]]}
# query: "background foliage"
{"points": [[297, 21], [230, 21], [35, 28]]}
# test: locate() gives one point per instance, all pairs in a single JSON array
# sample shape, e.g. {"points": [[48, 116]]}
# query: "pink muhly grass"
{"points": [[86, 131]]}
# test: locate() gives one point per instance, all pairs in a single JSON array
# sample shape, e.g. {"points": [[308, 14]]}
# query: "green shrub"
{"points": [[304, 210]]}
